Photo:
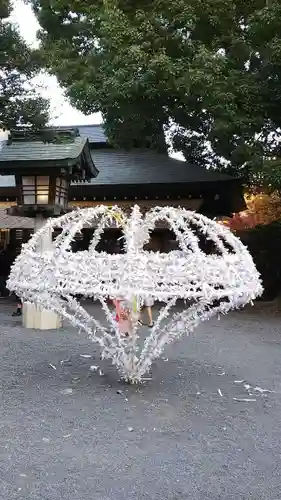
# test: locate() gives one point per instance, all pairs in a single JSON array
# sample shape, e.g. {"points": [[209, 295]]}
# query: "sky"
{"points": [[61, 111]]}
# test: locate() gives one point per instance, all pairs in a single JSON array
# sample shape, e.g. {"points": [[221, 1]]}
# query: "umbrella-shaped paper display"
{"points": [[208, 282]]}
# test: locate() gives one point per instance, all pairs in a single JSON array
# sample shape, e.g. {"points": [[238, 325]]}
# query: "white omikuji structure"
{"points": [[209, 284]]}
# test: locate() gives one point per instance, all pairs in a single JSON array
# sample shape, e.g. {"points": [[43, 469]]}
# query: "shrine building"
{"points": [[125, 177]]}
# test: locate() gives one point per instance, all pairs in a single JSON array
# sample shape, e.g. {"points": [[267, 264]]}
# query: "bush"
{"points": [[264, 244]]}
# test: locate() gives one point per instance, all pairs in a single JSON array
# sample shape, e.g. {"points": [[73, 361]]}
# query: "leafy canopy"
{"points": [[209, 70], [19, 102]]}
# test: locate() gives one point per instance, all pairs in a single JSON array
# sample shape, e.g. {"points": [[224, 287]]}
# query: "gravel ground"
{"points": [[67, 433]]}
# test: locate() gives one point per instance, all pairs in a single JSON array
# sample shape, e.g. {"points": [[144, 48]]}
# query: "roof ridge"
{"points": [[82, 126], [38, 150]]}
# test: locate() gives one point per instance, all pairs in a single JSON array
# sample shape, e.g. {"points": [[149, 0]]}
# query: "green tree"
{"points": [[20, 104], [207, 70]]}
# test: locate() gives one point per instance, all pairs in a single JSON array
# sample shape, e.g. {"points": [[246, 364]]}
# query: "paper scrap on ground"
{"points": [[94, 368], [64, 361], [244, 400], [67, 391], [259, 389]]}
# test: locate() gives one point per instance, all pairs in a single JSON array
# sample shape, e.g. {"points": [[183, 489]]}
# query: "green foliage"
{"points": [[19, 102], [209, 68]]}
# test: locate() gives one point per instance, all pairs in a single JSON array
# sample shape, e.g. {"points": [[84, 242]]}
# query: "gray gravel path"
{"points": [[70, 434]]}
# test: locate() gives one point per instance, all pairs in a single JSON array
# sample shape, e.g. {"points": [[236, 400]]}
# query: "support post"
{"points": [[32, 317]]}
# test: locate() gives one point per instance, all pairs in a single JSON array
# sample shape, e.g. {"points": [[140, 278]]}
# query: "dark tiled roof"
{"points": [[117, 166], [36, 150], [12, 222], [120, 167], [94, 133]]}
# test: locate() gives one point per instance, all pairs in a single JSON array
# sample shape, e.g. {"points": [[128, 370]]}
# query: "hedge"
{"points": [[264, 244]]}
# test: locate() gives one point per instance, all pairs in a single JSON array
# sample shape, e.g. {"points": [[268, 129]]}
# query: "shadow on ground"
{"points": [[202, 428]]}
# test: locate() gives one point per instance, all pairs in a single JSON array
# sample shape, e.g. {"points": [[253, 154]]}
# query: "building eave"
{"points": [[32, 155]]}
